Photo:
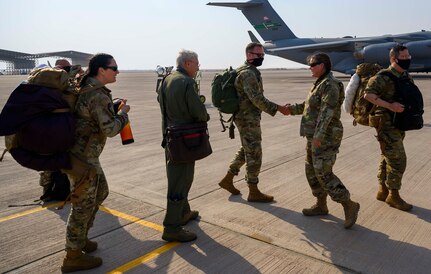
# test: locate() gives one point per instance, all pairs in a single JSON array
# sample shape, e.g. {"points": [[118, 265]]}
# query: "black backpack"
{"points": [[408, 94]]}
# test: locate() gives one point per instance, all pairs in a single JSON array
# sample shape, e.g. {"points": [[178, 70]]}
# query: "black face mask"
{"points": [[257, 62], [404, 64]]}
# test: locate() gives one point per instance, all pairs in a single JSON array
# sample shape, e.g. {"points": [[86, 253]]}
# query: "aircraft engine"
{"points": [[377, 53], [419, 49]]}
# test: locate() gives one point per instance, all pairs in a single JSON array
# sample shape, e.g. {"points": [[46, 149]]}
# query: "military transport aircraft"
{"points": [[346, 53]]}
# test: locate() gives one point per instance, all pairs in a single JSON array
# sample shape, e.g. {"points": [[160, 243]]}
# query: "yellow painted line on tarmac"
{"points": [[24, 213], [131, 218], [132, 264], [147, 257]]}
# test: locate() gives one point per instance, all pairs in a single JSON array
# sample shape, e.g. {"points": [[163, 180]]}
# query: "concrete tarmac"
{"points": [[234, 236]]}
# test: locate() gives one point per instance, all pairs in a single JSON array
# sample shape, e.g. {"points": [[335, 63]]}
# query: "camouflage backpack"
{"points": [[362, 108]]}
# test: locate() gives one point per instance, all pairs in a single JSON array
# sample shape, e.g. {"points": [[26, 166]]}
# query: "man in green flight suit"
{"points": [[177, 95], [252, 102]]}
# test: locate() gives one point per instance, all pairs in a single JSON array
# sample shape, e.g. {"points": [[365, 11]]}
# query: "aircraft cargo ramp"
{"points": [[234, 236]]}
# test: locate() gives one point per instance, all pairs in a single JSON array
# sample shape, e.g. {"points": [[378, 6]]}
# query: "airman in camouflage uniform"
{"points": [[96, 120], [380, 91], [180, 102], [46, 176], [251, 104], [323, 129], [45, 181]]}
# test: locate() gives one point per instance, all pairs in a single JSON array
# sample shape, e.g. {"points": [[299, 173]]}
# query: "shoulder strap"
{"points": [[164, 115], [394, 78], [389, 74]]}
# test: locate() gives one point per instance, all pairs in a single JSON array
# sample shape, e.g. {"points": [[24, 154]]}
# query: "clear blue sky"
{"points": [[143, 33]]}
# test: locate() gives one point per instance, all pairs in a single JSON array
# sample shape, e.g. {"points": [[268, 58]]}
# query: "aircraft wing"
{"points": [[326, 46], [238, 5]]}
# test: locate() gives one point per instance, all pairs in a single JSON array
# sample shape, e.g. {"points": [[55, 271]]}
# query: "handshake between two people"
{"points": [[285, 110]]}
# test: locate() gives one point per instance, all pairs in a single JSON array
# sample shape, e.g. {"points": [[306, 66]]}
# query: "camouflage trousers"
{"points": [[87, 195], [45, 180], [250, 152], [318, 170], [393, 160]]}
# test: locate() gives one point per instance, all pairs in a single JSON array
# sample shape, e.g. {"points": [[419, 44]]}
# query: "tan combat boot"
{"points": [[383, 192], [351, 210], [394, 200], [227, 183], [76, 260], [90, 246], [256, 196], [320, 208]]}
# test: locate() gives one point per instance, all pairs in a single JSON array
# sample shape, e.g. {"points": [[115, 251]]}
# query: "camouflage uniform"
{"points": [[96, 121], [393, 158], [321, 113], [183, 106], [252, 102], [45, 180]]}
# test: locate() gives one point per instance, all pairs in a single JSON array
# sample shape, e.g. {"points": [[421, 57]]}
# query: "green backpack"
{"points": [[225, 97], [223, 92]]}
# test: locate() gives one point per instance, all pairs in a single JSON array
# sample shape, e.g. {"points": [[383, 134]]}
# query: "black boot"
{"points": [[179, 236]]}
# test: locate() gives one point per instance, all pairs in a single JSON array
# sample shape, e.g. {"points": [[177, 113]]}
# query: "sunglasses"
{"points": [[67, 68], [312, 65], [114, 68]]}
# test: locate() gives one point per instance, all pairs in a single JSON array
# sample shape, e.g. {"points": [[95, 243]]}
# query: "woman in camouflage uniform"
{"points": [[96, 120], [323, 129]]}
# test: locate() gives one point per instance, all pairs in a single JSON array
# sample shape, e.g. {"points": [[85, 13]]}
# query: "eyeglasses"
{"points": [[258, 54], [195, 62], [312, 65], [114, 68]]}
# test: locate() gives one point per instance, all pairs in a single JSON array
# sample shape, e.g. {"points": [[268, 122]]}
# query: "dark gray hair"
{"points": [[185, 55], [251, 46], [395, 51]]}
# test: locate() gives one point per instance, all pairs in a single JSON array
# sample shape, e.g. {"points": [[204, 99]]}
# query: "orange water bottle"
{"points": [[126, 132]]}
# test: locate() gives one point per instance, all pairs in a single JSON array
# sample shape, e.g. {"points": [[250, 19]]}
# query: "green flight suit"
{"points": [[183, 106]]}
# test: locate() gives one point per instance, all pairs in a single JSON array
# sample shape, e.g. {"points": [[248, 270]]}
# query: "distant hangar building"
{"points": [[23, 63]]}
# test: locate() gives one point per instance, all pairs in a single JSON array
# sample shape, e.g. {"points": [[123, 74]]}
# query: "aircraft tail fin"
{"points": [[253, 38], [263, 18]]}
